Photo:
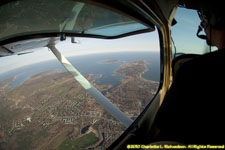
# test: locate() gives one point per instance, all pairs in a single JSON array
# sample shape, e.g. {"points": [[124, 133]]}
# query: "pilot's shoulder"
{"points": [[203, 66], [207, 60]]}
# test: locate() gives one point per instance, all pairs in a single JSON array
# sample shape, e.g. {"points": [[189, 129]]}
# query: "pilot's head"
{"points": [[212, 15]]}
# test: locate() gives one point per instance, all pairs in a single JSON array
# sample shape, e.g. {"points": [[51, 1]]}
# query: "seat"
{"points": [[179, 60]]}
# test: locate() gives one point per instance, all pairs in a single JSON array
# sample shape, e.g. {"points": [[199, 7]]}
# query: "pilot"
{"points": [[193, 110]]}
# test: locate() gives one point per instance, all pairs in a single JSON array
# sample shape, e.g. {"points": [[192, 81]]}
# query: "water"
{"points": [[87, 64], [85, 129], [25, 72]]}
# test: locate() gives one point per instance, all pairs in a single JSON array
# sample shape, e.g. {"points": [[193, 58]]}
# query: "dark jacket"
{"points": [[193, 110]]}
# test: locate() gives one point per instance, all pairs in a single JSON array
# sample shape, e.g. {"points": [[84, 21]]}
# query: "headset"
{"points": [[213, 14]]}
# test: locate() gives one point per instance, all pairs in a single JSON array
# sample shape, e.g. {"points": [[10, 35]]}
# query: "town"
{"points": [[49, 109]]}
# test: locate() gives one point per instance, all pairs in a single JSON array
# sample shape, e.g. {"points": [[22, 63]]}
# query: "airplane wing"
{"points": [[23, 47], [29, 46], [45, 19], [23, 31]]}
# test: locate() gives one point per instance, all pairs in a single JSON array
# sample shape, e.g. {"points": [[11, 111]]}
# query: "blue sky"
{"points": [[184, 32], [140, 42]]}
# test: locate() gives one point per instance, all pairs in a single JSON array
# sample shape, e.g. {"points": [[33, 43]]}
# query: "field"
{"points": [[82, 142]]}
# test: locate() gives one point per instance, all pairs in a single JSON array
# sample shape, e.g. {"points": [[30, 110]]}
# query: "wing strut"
{"points": [[100, 98]]}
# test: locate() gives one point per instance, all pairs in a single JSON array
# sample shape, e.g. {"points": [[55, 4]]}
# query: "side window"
{"points": [[42, 106], [184, 34]]}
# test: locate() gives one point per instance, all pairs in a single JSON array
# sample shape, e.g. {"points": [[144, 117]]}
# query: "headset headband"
{"points": [[213, 13]]}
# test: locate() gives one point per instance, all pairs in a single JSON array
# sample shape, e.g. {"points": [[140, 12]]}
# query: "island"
{"points": [[50, 110]]}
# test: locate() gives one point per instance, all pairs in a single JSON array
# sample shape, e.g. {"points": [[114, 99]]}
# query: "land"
{"points": [[51, 110], [82, 142]]}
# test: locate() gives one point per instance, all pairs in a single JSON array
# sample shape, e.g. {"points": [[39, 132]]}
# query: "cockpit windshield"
{"points": [[28, 17]]}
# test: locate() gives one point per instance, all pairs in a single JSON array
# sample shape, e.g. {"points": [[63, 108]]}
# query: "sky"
{"points": [[183, 33], [141, 42]]}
